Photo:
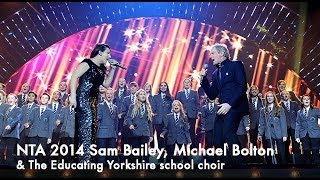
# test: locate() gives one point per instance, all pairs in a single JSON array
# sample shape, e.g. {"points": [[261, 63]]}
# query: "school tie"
{"points": [[111, 109], [142, 109], [305, 113], [270, 111], [41, 112], [54, 108], [187, 93], [287, 106], [254, 102], [132, 99], [29, 107], [176, 118], [163, 99], [120, 93], [23, 98]]}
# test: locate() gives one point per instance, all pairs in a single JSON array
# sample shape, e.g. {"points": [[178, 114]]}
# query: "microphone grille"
{"points": [[205, 66]]}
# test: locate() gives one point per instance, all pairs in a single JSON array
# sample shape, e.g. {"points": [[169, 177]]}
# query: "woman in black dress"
{"points": [[91, 73]]}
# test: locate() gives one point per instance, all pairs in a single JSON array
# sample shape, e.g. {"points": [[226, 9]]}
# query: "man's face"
{"points": [[109, 95], [306, 101], [254, 91], [133, 89], [285, 95], [56, 96], [122, 82], [25, 88], [187, 83], [215, 56], [63, 86]]}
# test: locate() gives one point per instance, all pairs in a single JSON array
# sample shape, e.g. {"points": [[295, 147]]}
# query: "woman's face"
{"points": [[142, 96], [147, 88], [31, 97], [106, 55], [270, 98], [163, 87]]}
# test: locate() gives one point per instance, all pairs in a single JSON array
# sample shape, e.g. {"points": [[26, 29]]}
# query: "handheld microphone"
{"points": [[205, 66], [116, 63]]}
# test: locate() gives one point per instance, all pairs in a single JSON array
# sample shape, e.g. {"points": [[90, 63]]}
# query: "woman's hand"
{"points": [[73, 101]]}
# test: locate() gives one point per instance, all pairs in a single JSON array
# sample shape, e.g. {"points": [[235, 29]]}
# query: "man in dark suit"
{"points": [[190, 101], [291, 110], [107, 133], [229, 84], [63, 91], [281, 85], [23, 97]]}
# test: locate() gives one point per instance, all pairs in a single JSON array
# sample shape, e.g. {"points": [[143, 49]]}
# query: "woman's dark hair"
{"points": [[97, 48], [306, 95], [168, 95]]}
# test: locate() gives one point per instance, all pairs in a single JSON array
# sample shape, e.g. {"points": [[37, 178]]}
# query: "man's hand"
{"points": [[284, 139], [150, 139], [58, 122], [224, 109], [203, 73], [8, 127]]}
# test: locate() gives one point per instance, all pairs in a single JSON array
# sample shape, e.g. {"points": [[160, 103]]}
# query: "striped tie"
{"points": [[287, 106], [54, 108], [41, 113], [23, 98], [176, 119], [305, 113], [163, 100], [254, 102], [142, 108], [270, 112], [187, 94], [111, 109]]}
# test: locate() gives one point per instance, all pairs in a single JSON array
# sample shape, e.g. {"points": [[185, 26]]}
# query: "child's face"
{"points": [[176, 107]]}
